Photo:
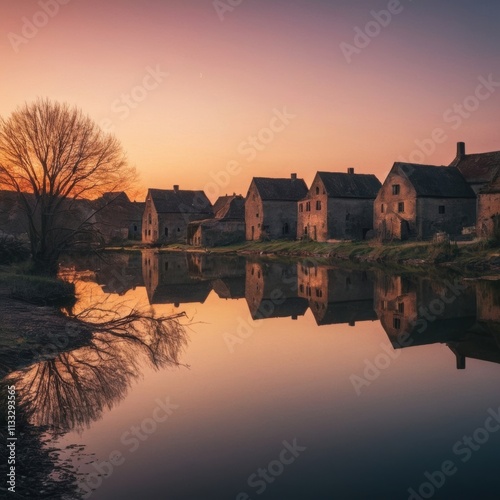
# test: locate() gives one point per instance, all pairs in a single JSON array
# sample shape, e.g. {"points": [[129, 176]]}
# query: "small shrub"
{"points": [[12, 250]]}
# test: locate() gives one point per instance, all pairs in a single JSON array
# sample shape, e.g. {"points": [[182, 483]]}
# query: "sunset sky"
{"points": [[185, 84]]}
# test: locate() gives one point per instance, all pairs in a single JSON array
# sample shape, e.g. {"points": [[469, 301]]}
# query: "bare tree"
{"points": [[56, 159]]}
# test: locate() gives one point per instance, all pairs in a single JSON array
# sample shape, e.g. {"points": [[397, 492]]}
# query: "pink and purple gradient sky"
{"points": [[225, 78]]}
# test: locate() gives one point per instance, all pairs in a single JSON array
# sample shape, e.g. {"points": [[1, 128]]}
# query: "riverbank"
{"points": [[468, 258]]}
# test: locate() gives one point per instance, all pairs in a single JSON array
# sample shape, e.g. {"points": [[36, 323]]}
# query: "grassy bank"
{"points": [[39, 290], [467, 257]]}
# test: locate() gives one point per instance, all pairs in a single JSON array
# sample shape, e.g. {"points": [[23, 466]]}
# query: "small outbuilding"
{"points": [[226, 228]]}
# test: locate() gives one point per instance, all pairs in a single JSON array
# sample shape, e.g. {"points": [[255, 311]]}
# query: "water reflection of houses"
{"points": [[427, 311], [182, 278], [337, 296], [418, 311], [168, 280], [483, 342], [271, 291]]}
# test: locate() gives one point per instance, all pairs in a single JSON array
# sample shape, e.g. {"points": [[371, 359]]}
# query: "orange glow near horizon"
{"points": [[200, 88]]}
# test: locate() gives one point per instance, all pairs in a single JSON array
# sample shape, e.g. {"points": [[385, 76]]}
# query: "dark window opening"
{"points": [[401, 307], [301, 207], [317, 190], [442, 209], [401, 207], [382, 208], [318, 205], [396, 323], [166, 232], [396, 189]]}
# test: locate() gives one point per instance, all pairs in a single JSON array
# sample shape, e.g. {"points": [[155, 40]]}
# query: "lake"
{"points": [[296, 381]]}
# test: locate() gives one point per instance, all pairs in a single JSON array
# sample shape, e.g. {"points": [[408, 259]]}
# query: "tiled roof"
{"points": [[435, 182], [344, 185], [280, 189], [478, 168], [180, 201]]}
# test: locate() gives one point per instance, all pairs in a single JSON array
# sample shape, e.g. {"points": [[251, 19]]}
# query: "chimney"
{"points": [[176, 187], [350, 170], [460, 149], [294, 177]]}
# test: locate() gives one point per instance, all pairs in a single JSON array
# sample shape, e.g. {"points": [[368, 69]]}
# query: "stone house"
{"points": [[338, 206], [482, 172], [227, 226], [271, 207], [168, 213], [418, 201], [488, 210]]}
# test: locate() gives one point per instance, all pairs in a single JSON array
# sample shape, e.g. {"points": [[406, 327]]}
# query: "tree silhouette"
{"points": [[56, 158]]}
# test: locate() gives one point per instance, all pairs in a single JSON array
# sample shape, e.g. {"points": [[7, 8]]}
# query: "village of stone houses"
{"points": [[458, 202]]}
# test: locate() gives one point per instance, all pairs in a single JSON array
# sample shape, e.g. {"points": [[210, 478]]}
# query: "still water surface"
{"points": [[297, 381]]}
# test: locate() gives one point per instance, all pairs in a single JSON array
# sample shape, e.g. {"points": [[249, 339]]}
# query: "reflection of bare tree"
{"points": [[72, 390]]}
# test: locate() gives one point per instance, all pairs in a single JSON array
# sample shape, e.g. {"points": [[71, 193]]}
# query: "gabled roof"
{"points": [[280, 189], [344, 185], [478, 168], [435, 182], [232, 207], [180, 201]]}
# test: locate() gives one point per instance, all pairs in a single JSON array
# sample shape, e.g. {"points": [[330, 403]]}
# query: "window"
{"points": [[149, 219], [308, 206], [382, 208], [401, 207], [442, 209], [257, 215], [166, 232], [178, 229], [317, 190], [135, 229], [318, 205], [401, 307], [301, 288], [305, 230], [301, 207], [396, 189], [396, 323]]}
